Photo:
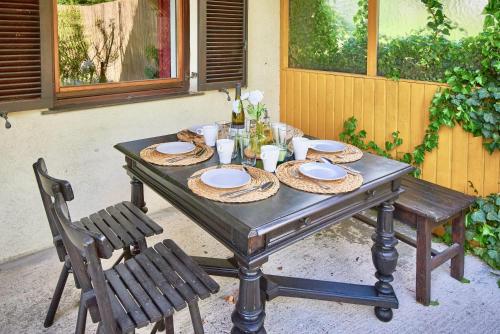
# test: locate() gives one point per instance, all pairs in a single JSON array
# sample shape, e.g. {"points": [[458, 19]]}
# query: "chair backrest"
{"points": [[44, 186], [84, 248]]}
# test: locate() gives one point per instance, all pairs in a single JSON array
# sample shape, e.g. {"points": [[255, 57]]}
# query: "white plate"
{"points": [[225, 178], [177, 147], [196, 128], [327, 146], [322, 171]]}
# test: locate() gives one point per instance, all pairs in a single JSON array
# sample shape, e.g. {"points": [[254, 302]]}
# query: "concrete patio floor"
{"points": [[341, 253]]}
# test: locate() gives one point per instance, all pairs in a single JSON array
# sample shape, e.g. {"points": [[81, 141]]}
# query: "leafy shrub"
{"points": [[483, 230], [74, 64], [315, 33]]}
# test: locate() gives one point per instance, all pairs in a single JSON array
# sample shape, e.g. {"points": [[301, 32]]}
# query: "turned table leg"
{"points": [[137, 194], [385, 256], [248, 316]]}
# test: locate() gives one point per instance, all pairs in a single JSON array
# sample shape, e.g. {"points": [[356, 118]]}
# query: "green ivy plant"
{"points": [[349, 135], [483, 230]]}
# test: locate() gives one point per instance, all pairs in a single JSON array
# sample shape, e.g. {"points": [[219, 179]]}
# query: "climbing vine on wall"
{"points": [[472, 96]]}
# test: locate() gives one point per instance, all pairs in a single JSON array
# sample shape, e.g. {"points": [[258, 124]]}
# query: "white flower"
{"points": [[236, 106], [256, 97], [245, 96]]}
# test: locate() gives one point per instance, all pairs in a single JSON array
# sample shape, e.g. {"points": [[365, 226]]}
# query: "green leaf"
{"points": [[478, 217], [492, 216]]}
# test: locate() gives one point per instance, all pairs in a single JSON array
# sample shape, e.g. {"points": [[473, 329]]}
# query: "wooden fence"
{"points": [[320, 102]]}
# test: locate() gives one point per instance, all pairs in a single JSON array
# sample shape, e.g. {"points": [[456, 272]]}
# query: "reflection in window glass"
{"points": [[328, 35], [110, 41], [409, 49]]}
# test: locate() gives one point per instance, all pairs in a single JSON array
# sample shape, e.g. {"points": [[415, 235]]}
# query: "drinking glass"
{"points": [[231, 134], [224, 127], [281, 139], [248, 156]]}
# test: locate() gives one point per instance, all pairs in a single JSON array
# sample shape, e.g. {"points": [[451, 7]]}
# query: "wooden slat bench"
{"points": [[425, 206]]}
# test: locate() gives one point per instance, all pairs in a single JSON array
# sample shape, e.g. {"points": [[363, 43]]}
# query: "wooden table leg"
{"points": [[458, 235], [424, 262], [137, 195], [385, 256], [248, 316]]}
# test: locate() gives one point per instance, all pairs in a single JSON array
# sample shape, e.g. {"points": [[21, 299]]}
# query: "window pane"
{"points": [[328, 35], [110, 41], [409, 49]]}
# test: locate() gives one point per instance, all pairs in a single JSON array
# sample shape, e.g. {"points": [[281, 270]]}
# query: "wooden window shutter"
{"points": [[222, 40], [20, 55]]}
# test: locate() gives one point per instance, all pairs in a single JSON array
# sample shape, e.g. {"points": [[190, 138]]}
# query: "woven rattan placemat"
{"points": [[259, 177], [186, 135], [289, 174], [150, 154], [350, 154]]}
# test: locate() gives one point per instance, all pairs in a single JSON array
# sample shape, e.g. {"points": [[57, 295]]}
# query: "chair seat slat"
{"points": [[124, 322], [161, 282], [102, 228], [120, 232], [158, 298], [133, 310], [140, 295], [172, 277], [134, 220], [182, 270], [131, 229], [208, 281], [148, 221]]}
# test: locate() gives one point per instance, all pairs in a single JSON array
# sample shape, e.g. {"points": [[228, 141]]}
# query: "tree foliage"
{"points": [[314, 34], [73, 48]]}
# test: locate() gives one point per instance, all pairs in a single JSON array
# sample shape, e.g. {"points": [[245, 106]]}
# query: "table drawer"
{"points": [[331, 215]]}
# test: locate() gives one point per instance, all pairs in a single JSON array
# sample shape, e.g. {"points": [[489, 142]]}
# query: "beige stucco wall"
{"points": [[78, 145]]}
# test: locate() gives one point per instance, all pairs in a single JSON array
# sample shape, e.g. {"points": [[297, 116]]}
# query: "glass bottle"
{"points": [[238, 117]]}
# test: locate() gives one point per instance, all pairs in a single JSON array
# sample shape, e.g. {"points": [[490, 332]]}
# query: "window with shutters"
{"points": [[222, 43], [115, 49], [20, 60]]}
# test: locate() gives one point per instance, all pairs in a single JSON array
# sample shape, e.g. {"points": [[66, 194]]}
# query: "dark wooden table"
{"points": [[254, 231]]}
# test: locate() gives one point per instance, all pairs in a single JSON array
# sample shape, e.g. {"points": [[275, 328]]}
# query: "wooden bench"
{"points": [[425, 206]]}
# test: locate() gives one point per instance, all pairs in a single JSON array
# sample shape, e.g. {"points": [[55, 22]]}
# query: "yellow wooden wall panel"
{"points": [[475, 164], [380, 113], [304, 102], [319, 103], [460, 148], [339, 106], [283, 95], [369, 108], [289, 98], [430, 163], [330, 107], [321, 96], [348, 98], [392, 98], [358, 101], [404, 103], [297, 87], [313, 105]]}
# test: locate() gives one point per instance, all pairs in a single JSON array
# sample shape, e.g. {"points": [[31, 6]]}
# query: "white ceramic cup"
{"points": [[225, 148], [209, 133], [270, 155], [300, 147]]}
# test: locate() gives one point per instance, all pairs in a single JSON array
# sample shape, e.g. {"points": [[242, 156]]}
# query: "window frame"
{"points": [[109, 93]]}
